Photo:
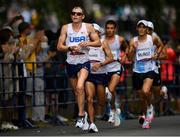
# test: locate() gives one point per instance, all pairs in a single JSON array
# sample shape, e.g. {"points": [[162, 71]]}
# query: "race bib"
{"points": [[143, 54], [94, 54], [115, 55]]}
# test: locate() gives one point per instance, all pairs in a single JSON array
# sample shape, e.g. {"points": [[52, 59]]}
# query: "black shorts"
{"points": [[98, 78], [109, 74], [138, 78], [72, 70]]}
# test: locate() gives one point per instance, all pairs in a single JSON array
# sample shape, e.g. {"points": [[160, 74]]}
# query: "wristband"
{"points": [[157, 55], [69, 49]]}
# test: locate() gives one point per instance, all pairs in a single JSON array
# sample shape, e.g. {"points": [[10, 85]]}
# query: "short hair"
{"points": [[79, 7], [22, 26], [111, 22], [5, 35]]}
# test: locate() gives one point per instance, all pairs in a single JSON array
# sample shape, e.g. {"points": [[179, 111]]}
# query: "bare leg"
{"points": [[100, 99], [82, 76], [112, 88], [90, 93], [146, 94]]}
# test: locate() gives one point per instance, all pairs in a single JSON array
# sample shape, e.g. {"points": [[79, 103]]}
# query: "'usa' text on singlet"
{"points": [[77, 39]]}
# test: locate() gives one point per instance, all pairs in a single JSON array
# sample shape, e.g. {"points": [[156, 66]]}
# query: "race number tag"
{"points": [[115, 55], [144, 53], [94, 54]]}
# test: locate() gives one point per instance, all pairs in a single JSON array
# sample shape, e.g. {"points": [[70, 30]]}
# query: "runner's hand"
{"points": [[83, 44]]}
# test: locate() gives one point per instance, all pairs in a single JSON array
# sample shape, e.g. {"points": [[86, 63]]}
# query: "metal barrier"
{"points": [[16, 84]]}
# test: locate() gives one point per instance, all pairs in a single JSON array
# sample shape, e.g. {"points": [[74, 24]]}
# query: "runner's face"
{"points": [[142, 30], [77, 15], [110, 30]]}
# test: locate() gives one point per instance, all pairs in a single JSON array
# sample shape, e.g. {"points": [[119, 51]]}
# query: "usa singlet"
{"points": [[74, 38]]}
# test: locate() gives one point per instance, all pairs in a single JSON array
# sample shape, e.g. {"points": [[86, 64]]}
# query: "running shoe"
{"points": [[8, 126], [141, 119], [164, 91], [146, 124], [93, 128], [117, 120], [85, 122], [108, 94], [111, 117], [79, 123], [150, 113]]}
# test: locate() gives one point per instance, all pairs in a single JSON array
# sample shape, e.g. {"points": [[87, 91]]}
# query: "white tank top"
{"points": [[74, 38], [144, 51], [115, 49], [96, 54]]}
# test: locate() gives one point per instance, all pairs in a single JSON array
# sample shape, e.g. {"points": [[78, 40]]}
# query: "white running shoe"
{"points": [[117, 120], [85, 122], [164, 90], [93, 128], [111, 117], [108, 94], [150, 113], [79, 123], [8, 126]]}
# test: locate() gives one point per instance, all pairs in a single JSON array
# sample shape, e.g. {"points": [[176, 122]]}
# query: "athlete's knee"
{"points": [[76, 93], [143, 94], [90, 100], [79, 89]]}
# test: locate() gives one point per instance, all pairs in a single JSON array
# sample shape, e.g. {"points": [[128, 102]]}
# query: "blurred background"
{"points": [[51, 14]]}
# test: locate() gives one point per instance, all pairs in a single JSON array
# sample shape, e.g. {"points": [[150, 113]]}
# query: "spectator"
{"points": [[14, 23], [6, 85], [38, 113], [27, 53]]}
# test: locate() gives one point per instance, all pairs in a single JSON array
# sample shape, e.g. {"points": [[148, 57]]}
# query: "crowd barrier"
{"points": [[17, 84]]}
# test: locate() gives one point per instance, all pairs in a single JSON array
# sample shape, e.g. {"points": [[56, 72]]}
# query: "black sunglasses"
{"points": [[76, 13]]}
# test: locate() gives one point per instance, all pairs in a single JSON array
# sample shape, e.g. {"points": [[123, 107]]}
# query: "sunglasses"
{"points": [[76, 13]]}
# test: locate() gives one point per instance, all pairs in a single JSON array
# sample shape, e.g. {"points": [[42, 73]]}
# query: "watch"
{"points": [[69, 49]]}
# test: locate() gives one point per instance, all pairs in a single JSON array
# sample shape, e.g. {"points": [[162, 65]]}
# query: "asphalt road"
{"points": [[161, 126]]}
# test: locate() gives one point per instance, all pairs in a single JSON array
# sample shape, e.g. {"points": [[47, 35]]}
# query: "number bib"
{"points": [[115, 55], [144, 53], [95, 54]]}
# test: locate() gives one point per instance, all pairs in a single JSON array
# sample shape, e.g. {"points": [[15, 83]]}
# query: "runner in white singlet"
{"points": [[144, 67], [114, 69], [75, 39], [96, 81]]}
